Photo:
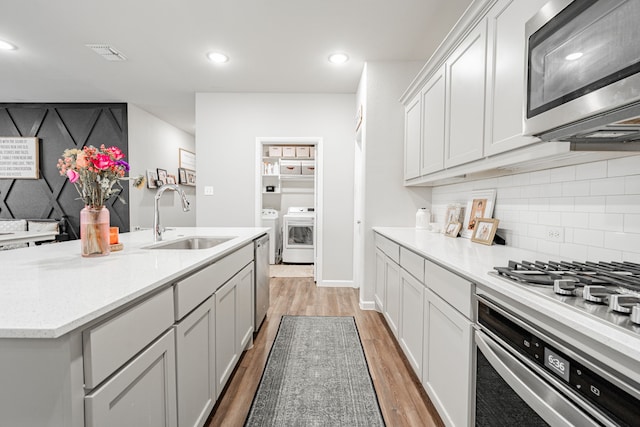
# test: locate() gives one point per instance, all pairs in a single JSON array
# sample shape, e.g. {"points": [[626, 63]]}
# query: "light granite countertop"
{"points": [[50, 290], [474, 261]]}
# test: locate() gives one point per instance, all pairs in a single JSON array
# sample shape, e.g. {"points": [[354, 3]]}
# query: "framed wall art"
{"points": [[485, 231], [479, 206], [191, 177], [186, 159], [152, 178], [162, 176], [182, 176], [171, 179], [19, 157]]}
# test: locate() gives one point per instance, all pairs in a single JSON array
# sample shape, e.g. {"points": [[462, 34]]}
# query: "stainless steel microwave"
{"points": [[583, 73]]}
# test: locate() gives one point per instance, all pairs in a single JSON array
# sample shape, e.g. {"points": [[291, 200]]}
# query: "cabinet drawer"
{"points": [[190, 292], [290, 167], [413, 263], [391, 249], [110, 344], [452, 288]]}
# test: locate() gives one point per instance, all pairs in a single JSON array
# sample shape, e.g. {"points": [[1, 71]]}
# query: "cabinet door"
{"points": [[244, 307], [379, 292], [506, 74], [412, 139], [447, 360], [226, 354], [433, 109], [392, 310], [195, 362], [141, 394], [411, 319], [464, 133]]}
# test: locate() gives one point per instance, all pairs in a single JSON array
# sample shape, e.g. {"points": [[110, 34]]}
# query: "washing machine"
{"points": [[271, 219], [299, 240]]}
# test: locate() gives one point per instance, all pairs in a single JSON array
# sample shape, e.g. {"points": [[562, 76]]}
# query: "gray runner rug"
{"points": [[316, 375]]}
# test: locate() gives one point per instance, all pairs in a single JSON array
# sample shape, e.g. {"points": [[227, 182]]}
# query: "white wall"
{"points": [[227, 125], [153, 143], [596, 205], [386, 201]]}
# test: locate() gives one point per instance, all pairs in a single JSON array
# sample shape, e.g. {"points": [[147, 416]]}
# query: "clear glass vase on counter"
{"points": [[94, 231]]}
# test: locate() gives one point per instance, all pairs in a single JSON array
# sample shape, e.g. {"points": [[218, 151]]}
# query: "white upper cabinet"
{"points": [[464, 118], [412, 139], [433, 109], [506, 74]]}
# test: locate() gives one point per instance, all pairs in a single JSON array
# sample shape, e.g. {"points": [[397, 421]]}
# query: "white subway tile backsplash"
{"points": [[631, 223], [627, 242], [624, 166], [588, 237], [600, 254], [596, 204], [607, 186], [590, 204], [591, 170], [607, 222], [623, 204], [576, 188], [562, 174]]}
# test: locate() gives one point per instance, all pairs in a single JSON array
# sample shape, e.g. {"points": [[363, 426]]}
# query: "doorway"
{"points": [[289, 192]]}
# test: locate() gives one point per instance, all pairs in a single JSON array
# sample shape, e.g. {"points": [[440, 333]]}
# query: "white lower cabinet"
{"points": [[411, 320], [392, 291], [379, 291], [447, 360], [195, 363], [141, 394], [234, 323]]}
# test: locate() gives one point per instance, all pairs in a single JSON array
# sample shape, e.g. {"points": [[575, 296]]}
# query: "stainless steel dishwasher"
{"points": [[261, 256]]}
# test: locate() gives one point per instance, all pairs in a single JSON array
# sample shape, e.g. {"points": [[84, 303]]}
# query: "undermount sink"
{"points": [[192, 243]]}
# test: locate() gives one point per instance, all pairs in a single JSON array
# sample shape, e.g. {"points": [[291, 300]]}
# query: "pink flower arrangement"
{"points": [[95, 172]]}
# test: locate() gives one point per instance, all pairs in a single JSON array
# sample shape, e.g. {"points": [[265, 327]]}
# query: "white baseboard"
{"points": [[335, 284], [367, 305]]}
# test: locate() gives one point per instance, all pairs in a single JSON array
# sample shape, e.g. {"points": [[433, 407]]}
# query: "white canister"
{"points": [[423, 218]]}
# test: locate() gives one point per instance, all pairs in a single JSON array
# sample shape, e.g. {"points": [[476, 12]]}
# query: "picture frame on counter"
{"points": [[485, 231], [452, 229], [162, 177], [453, 213], [479, 206], [152, 178]]}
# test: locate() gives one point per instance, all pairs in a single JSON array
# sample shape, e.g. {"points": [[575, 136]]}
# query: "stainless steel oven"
{"points": [[583, 64], [527, 377]]}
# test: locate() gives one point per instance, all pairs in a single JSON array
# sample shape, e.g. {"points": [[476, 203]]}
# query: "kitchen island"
{"points": [[74, 329]]}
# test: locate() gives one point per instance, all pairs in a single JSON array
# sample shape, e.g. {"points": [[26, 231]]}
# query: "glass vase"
{"points": [[94, 231]]}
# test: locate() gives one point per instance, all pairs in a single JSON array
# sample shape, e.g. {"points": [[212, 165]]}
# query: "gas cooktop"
{"points": [[607, 290]]}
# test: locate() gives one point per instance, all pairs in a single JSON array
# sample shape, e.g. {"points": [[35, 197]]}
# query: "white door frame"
{"points": [[318, 188]]}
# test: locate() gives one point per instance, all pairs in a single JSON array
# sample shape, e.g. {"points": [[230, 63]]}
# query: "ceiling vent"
{"points": [[109, 53]]}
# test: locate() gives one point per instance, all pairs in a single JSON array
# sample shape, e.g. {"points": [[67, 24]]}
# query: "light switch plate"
{"points": [[208, 190]]}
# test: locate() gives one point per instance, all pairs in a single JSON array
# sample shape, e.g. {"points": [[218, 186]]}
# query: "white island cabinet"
{"points": [[127, 340]]}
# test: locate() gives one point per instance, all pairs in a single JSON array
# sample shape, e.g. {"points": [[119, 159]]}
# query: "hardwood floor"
{"points": [[402, 399]]}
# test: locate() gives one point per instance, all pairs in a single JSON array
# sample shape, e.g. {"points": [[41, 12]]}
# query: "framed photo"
{"points": [[186, 159], [453, 213], [162, 176], [191, 177], [485, 231], [152, 177], [452, 229], [480, 206], [171, 179], [182, 176]]}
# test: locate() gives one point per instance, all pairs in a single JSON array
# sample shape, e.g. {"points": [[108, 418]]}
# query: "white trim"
{"points": [[367, 305], [335, 284]]}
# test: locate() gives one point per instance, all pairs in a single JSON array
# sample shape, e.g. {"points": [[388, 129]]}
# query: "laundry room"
{"points": [[287, 176]]}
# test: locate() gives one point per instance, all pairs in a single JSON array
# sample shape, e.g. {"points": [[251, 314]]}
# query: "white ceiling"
{"points": [[274, 46]]}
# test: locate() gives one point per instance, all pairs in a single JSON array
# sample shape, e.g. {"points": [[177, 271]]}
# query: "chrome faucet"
{"points": [[157, 229]]}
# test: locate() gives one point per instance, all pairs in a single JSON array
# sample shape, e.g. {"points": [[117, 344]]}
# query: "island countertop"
{"points": [[50, 290]]}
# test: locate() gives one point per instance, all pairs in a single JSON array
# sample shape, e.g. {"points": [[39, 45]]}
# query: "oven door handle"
{"points": [[546, 401]]}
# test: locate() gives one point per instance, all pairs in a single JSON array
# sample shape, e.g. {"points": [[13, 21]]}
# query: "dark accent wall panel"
{"points": [[61, 126]]}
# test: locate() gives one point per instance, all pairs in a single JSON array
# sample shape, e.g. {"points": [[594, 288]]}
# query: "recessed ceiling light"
{"points": [[573, 56], [217, 57], [338, 58], [6, 45]]}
